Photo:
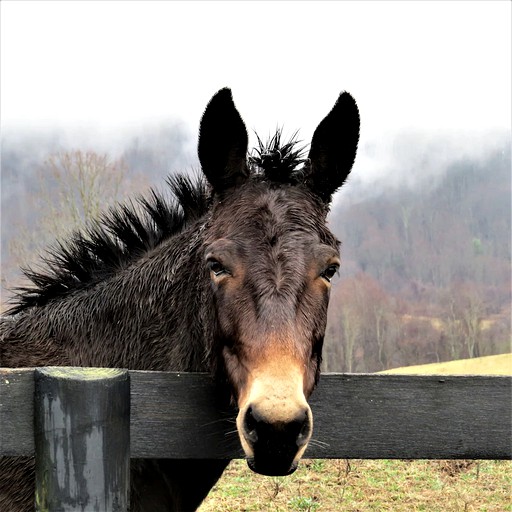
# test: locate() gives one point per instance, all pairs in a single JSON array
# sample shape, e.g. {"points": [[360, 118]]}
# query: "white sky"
{"points": [[443, 66]]}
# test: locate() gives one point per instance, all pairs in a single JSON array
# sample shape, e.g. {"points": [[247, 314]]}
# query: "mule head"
{"points": [[270, 260]]}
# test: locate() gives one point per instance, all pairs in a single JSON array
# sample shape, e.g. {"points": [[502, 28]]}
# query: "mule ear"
{"points": [[333, 148], [222, 146]]}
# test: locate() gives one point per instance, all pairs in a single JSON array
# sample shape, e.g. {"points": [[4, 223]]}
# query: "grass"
{"points": [[360, 486]]}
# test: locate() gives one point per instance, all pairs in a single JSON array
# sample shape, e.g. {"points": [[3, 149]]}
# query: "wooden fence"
{"points": [[105, 416]]}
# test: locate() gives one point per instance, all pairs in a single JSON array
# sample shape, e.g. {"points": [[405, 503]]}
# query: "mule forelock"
{"points": [[278, 162]]}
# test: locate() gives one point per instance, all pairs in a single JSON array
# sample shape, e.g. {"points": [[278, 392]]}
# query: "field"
{"points": [[360, 486], [377, 485], [488, 365]]}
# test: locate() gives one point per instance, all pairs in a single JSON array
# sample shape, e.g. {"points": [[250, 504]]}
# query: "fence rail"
{"points": [[365, 416], [84, 424]]}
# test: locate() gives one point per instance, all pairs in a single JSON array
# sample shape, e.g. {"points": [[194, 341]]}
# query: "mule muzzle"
{"points": [[275, 447]]}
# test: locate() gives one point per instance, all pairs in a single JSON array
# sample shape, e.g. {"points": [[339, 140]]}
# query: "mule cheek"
{"points": [[233, 309], [312, 374], [235, 372], [311, 323]]}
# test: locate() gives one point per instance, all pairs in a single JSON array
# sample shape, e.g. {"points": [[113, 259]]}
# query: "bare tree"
{"points": [[71, 190]]}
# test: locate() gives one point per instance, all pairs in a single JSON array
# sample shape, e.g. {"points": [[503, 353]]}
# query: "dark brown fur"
{"points": [[235, 272]]}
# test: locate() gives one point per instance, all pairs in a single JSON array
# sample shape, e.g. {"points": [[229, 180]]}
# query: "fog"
{"points": [[406, 158]]}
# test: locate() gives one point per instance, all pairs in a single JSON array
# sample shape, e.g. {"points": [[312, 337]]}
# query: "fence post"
{"points": [[82, 439]]}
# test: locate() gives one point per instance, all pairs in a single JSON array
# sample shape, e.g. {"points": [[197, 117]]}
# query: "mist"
{"points": [[405, 160], [414, 159]]}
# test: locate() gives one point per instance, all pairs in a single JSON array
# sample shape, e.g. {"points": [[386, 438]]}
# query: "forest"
{"points": [[425, 271]]}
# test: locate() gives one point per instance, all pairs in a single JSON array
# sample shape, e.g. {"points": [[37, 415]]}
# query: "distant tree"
{"points": [[472, 312], [463, 320], [84, 182], [71, 190], [363, 327], [420, 341], [344, 329], [453, 332]]}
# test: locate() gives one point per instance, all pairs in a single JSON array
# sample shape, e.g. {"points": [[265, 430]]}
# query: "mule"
{"points": [[231, 277]]}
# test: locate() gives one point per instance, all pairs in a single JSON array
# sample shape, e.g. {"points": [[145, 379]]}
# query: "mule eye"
{"points": [[216, 267], [330, 272]]}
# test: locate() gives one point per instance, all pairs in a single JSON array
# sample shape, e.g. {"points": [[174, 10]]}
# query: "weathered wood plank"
{"points": [[355, 416], [16, 411], [82, 439], [174, 415], [413, 417]]}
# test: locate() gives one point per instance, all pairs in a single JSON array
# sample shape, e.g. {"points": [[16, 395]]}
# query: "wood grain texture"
{"points": [[82, 439], [414, 417], [174, 415], [16, 411]]}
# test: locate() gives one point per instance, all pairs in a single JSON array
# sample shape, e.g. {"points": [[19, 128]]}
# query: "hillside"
{"points": [[426, 271], [488, 365]]}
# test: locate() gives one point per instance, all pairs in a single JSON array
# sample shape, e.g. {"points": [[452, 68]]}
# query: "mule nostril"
{"points": [[250, 425], [305, 430], [300, 428], [302, 416]]}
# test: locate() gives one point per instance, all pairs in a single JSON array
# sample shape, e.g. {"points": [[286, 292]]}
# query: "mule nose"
{"points": [[276, 443], [259, 428]]}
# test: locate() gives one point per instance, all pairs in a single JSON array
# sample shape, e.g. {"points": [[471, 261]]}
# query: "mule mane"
{"points": [[123, 234], [128, 231]]}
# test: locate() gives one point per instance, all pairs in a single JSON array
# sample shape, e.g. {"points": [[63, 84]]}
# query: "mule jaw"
{"points": [[274, 422]]}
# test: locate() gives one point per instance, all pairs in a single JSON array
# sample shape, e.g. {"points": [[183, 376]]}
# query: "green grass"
{"points": [[360, 486]]}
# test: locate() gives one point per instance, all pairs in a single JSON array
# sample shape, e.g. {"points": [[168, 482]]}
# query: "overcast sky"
{"points": [[441, 66]]}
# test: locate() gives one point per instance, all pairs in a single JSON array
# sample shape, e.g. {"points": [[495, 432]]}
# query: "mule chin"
{"points": [[272, 467]]}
